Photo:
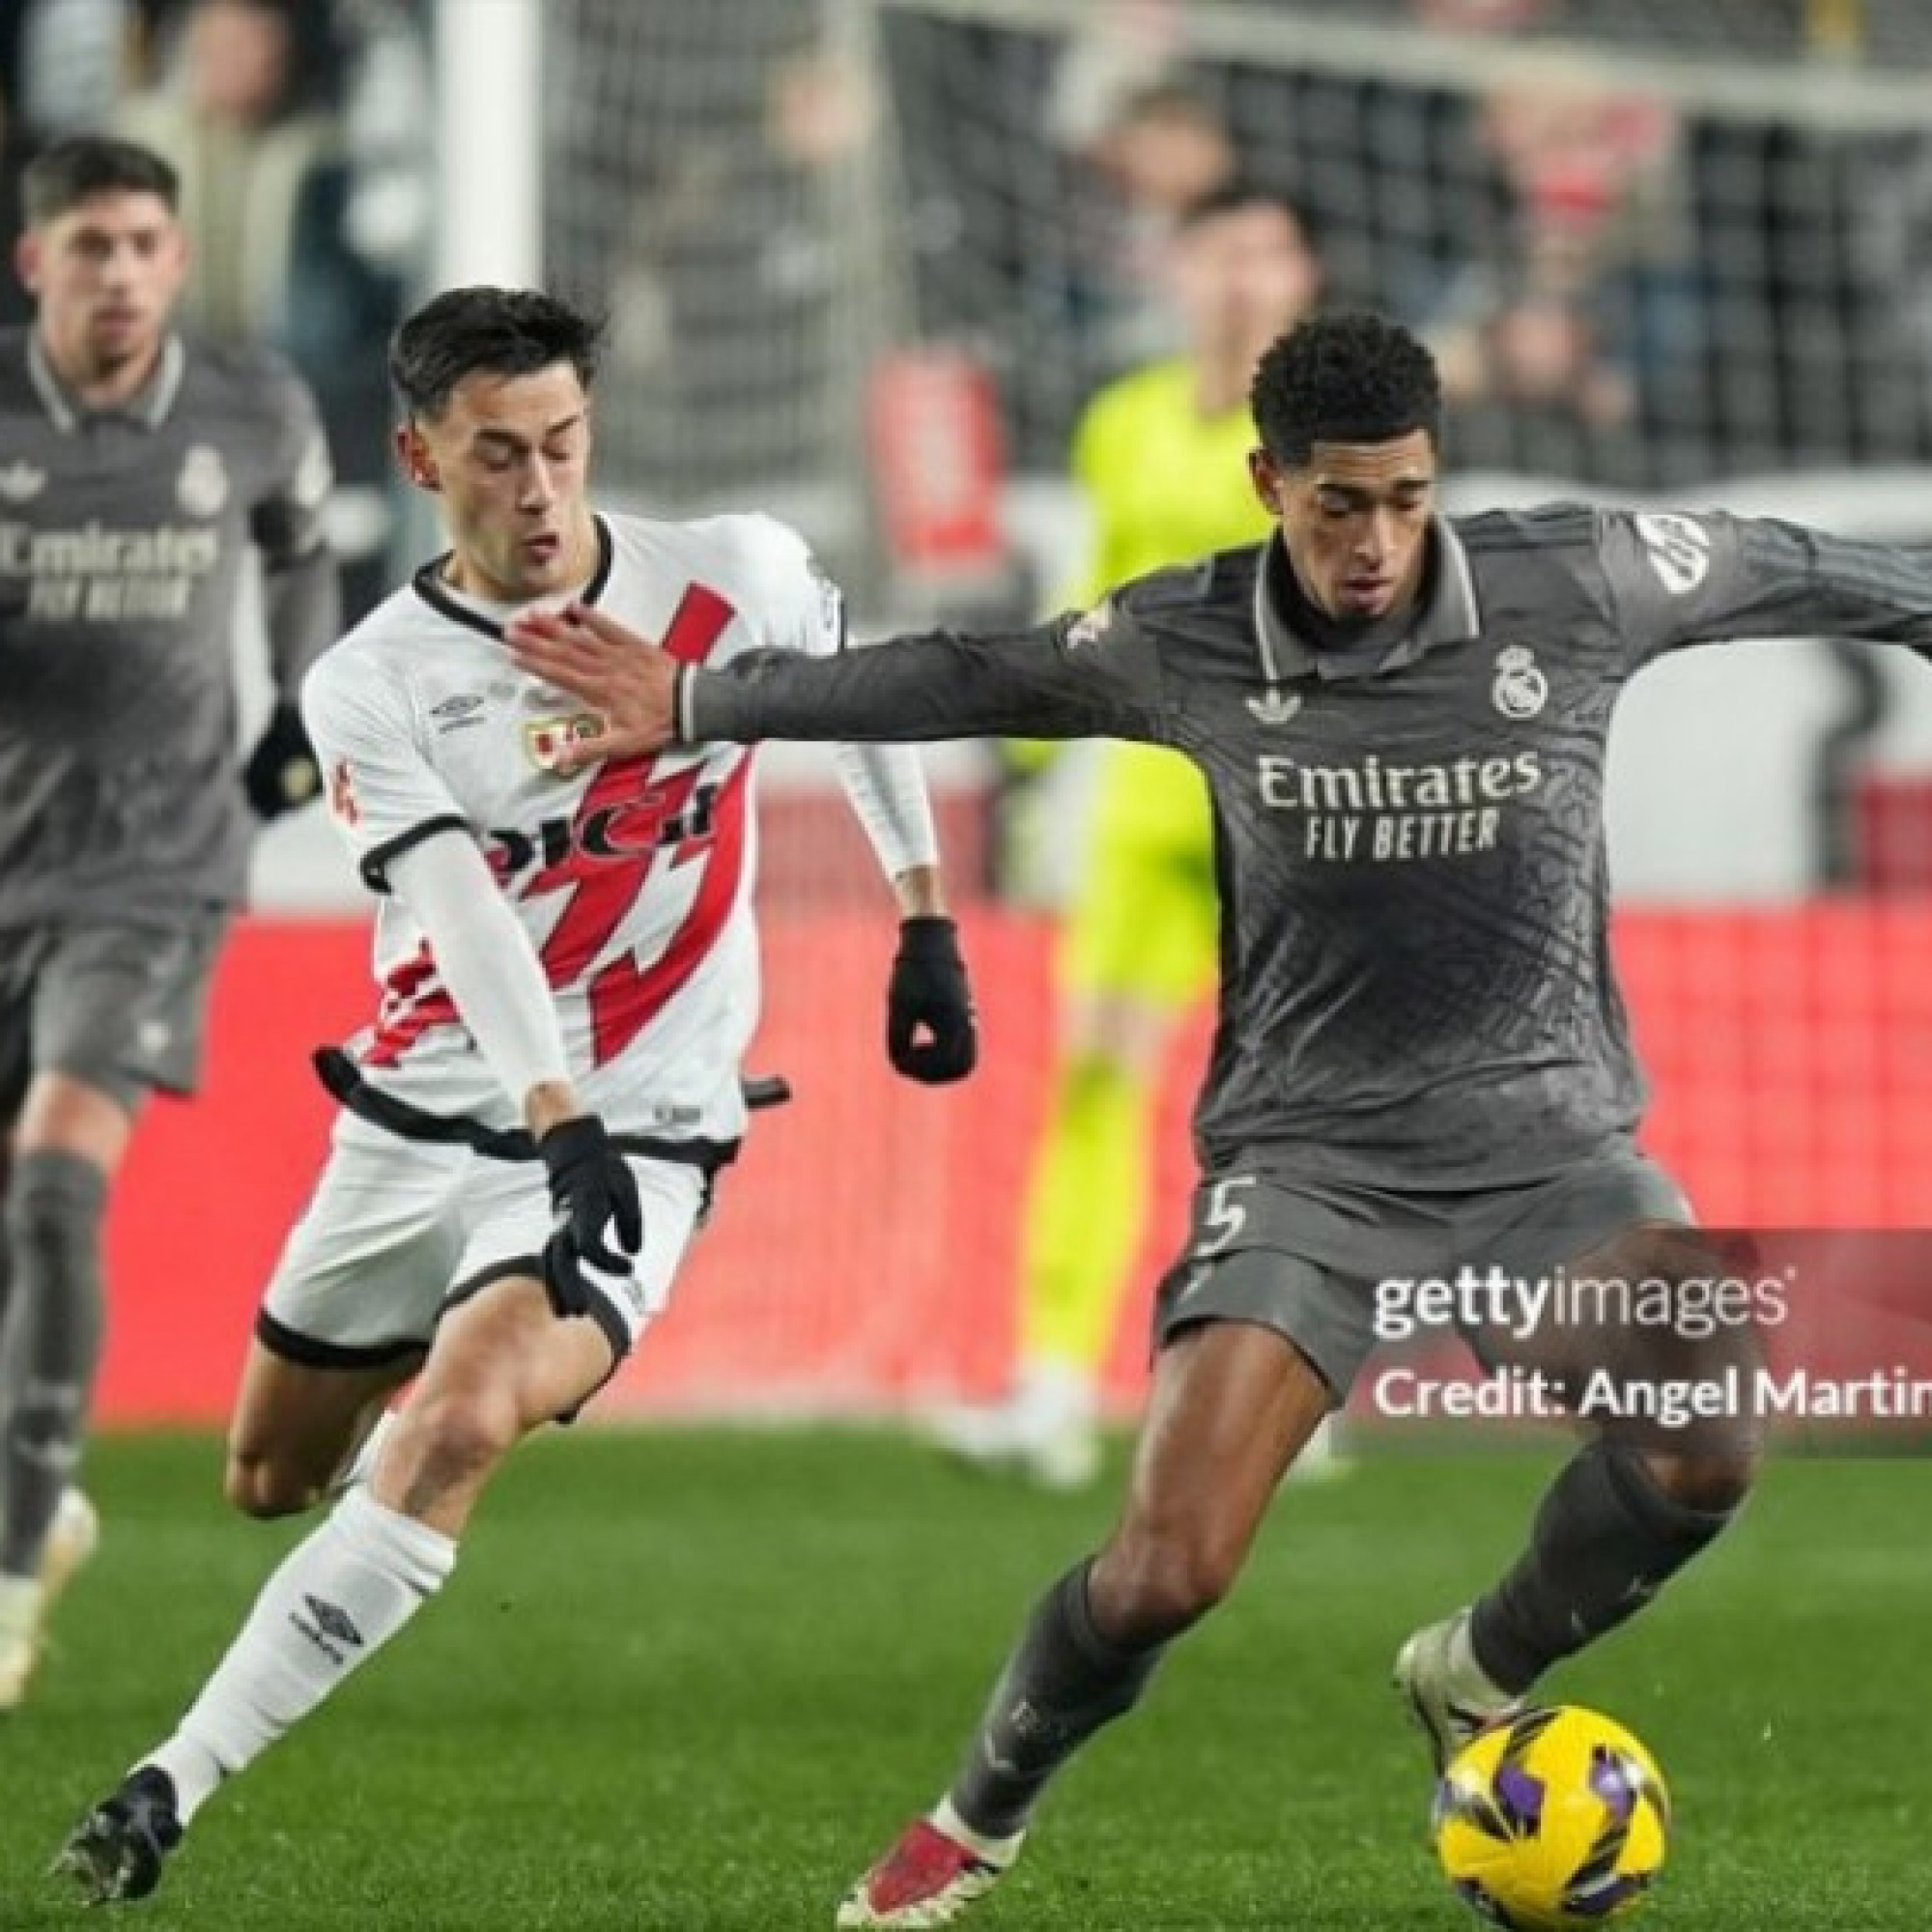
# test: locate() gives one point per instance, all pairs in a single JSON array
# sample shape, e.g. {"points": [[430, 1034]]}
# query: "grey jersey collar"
{"points": [[149, 404], [1449, 616]]}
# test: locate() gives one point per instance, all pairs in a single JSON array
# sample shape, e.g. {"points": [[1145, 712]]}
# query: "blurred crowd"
{"points": [[1622, 289], [306, 165], [1629, 285]]}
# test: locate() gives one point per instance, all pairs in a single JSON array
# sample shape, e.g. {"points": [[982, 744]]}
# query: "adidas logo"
{"points": [[333, 1621], [20, 481], [1275, 706]]}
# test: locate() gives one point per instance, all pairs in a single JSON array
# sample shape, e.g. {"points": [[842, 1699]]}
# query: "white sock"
{"points": [[337, 1598], [996, 1851], [1470, 1682]]}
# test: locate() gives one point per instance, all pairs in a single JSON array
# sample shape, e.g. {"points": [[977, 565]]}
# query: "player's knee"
{"points": [[1714, 1478], [1155, 1586], [451, 1438], [55, 1204]]}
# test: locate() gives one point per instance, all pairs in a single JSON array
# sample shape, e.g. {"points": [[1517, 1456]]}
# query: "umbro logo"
{"points": [[454, 713], [333, 1621], [21, 482], [1275, 706]]}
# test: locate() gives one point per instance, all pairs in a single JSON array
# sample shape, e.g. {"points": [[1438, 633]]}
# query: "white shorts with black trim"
{"points": [[397, 1231]]}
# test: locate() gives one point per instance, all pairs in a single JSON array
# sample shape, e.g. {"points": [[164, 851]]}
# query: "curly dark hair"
{"points": [[504, 331], [1348, 376]]}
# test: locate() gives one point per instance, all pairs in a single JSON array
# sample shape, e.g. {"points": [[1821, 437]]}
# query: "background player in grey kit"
{"points": [[136, 469], [1422, 1056]]}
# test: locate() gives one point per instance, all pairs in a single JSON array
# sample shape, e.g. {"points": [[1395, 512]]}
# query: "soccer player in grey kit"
{"points": [[1421, 1057], [136, 469]]}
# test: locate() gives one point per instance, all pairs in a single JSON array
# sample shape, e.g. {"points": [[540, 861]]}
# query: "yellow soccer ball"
{"points": [[1553, 1821]]}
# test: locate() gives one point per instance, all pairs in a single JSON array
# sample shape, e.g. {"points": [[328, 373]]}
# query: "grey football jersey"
{"points": [[122, 537], [1416, 987]]}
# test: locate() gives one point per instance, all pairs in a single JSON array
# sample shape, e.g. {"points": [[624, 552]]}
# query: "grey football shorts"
{"points": [[1305, 1258], [121, 1006]]}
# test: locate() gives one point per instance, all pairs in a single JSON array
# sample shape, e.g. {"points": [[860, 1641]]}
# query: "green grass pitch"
{"points": [[697, 1679]]}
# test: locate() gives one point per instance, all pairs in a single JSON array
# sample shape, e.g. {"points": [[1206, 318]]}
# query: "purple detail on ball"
{"points": [[1476, 1897], [1520, 1797], [1615, 1782], [1600, 1900]]}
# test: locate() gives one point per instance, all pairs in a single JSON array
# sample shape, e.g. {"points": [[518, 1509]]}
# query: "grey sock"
{"points": [[1606, 1539], [1062, 1681], [51, 1344]]}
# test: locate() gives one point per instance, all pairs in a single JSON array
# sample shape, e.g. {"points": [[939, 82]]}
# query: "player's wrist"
{"points": [[921, 893], [549, 1104], [682, 693], [923, 933]]}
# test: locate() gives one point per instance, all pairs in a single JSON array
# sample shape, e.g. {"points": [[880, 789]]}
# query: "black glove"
{"points": [[592, 1190], [928, 990], [282, 771]]}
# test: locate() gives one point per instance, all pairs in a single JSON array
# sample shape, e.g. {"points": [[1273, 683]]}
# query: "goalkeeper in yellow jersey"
{"points": [[1161, 456]]}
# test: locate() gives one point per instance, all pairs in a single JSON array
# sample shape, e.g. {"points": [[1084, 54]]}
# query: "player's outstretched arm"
{"points": [[1677, 579], [1060, 681]]}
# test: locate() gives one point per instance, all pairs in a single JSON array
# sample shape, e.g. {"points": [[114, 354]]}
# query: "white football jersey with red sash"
{"points": [[633, 878]]}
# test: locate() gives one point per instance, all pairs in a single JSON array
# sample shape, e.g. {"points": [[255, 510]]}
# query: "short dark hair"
{"points": [[505, 332], [1233, 197], [1170, 98], [79, 167], [1348, 376]]}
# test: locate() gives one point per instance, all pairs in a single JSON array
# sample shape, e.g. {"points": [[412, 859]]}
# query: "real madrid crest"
{"points": [[202, 487], [1521, 690]]}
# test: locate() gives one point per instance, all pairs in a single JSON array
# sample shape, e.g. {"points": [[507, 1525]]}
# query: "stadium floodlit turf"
{"points": [[697, 1679]]}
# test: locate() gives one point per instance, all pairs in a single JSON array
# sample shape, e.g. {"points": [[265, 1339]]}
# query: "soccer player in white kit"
{"points": [[569, 981]]}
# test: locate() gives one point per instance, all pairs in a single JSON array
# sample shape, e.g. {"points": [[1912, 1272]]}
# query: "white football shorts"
{"points": [[398, 1230]]}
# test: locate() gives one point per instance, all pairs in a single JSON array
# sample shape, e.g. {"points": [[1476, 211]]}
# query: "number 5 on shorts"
{"points": [[1223, 1217]]}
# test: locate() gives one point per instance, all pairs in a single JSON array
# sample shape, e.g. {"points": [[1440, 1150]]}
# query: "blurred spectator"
{"points": [[250, 153], [76, 60], [1582, 300], [304, 149], [734, 277], [389, 140], [64, 67], [1164, 149]]}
